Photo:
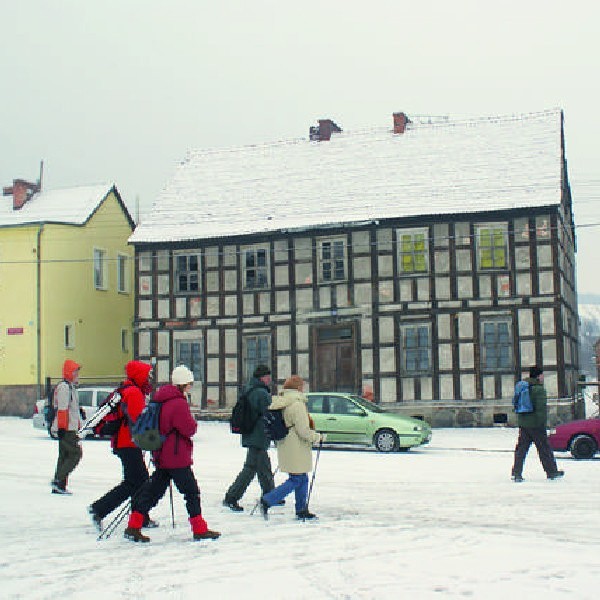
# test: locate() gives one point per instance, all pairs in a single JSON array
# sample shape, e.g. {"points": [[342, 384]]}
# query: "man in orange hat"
{"points": [[65, 426]]}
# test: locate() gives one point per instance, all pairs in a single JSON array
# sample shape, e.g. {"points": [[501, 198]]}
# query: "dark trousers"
{"points": [[69, 455], [154, 489], [257, 463], [537, 436], [135, 474]]}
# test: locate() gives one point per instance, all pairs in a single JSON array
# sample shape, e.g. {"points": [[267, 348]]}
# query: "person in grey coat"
{"points": [[257, 461]]}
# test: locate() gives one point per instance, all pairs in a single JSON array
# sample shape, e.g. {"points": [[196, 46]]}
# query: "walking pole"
{"points": [[112, 526], [257, 502], [172, 509], [312, 481]]}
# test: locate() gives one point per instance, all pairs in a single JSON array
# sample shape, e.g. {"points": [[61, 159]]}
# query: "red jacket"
{"points": [[178, 425], [133, 400]]}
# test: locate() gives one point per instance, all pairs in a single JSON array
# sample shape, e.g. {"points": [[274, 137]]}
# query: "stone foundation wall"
{"points": [[18, 400]]}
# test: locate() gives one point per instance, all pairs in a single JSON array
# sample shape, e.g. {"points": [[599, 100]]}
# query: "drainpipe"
{"points": [[39, 309]]}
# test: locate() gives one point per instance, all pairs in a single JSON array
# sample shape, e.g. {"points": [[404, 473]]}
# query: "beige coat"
{"points": [[294, 452]]}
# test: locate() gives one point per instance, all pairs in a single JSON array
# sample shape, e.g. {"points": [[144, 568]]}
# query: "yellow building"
{"points": [[66, 288]]}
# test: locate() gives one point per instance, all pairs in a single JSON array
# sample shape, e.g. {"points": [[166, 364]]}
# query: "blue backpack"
{"points": [[145, 431], [522, 399]]}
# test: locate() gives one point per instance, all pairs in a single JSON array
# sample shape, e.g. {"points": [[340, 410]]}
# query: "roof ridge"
{"points": [[421, 120]]}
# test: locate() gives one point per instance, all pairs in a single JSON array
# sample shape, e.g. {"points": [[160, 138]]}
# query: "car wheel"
{"points": [[583, 446], [386, 440]]}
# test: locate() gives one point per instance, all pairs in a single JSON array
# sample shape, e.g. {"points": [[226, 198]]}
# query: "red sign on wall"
{"points": [[14, 331]]}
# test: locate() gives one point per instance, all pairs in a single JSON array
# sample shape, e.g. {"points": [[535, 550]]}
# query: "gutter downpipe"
{"points": [[39, 309]]}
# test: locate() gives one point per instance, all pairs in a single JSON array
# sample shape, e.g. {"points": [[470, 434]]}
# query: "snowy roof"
{"points": [[72, 206], [432, 169]]}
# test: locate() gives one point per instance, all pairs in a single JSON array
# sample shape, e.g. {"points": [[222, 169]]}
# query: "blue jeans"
{"points": [[296, 483]]}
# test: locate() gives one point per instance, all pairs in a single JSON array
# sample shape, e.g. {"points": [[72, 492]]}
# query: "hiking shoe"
{"points": [[517, 478], [556, 475], [264, 509], [135, 535], [207, 535], [150, 524], [60, 488], [233, 505], [305, 515], [96, 519]]}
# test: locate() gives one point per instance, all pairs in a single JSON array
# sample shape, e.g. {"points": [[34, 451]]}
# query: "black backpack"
{"points": [[275, 427], [110, 424], [242, 420]]}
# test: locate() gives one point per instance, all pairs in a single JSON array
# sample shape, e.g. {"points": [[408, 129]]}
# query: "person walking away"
{"points": [[257, 461], [134, 390], [173, 460], [294, 452], [532, 429], [65, 425]]}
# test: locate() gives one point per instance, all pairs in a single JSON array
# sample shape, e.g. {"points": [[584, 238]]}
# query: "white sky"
{"points": [[119, 90]]}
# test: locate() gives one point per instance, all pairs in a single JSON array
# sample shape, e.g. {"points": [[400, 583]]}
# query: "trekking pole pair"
{"points": [[112, 526]]}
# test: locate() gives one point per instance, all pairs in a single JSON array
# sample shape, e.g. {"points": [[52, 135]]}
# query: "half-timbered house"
{"points": [[431, 262]]}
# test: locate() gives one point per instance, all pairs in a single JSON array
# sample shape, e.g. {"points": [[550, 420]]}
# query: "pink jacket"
{"points": [[178, 425]]}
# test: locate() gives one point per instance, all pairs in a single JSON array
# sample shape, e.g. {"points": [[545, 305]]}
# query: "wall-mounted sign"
{"points": [[14, 331]]}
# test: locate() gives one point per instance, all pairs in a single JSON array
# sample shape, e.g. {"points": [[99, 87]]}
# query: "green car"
{"points": [[349, 419]]}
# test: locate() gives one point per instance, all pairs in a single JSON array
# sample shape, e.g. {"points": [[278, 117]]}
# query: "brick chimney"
{"points": [[323, 132], [400, 122], [21, 191]]}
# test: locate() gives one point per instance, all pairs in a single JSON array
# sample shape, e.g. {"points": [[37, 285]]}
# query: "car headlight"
{"points": [[551, 431], [418, 428]]}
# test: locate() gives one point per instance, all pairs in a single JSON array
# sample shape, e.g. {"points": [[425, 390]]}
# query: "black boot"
{"points": [[555, 475], [305, 515], [233, 505]]}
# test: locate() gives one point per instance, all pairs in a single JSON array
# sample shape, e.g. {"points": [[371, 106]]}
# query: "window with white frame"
{"points": [[413, 254], [496, 344], [69, 336], [492, 246], [191, 354], [416, 348], [256, 349], [187, 272], [122, 273], [124, 340], [255, 265], [332, 259], [99, 269]]}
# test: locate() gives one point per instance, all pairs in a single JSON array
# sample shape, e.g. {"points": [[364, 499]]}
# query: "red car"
{"points": [[581, 438]]}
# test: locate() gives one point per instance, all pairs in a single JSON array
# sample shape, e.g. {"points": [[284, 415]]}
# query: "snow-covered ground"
{"points": [[442, 521]]}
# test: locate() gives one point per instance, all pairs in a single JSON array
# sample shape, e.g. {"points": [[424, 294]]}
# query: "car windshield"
{"points": [[368, 405]]}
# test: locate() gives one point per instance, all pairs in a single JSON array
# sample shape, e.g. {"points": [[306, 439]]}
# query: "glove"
{"points": [[82, 413], [61, 433]]}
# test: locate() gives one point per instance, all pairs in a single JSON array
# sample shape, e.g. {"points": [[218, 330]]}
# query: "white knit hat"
{"points": [[181, 376]]}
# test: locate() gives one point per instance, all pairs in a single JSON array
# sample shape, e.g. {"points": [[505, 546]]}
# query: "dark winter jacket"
{"points": [[259, 398], [178, 425], [133, 400], [539, 416]]}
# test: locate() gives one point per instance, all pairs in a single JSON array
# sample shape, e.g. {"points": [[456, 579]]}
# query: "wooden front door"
{"points": [[334, 352]]}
